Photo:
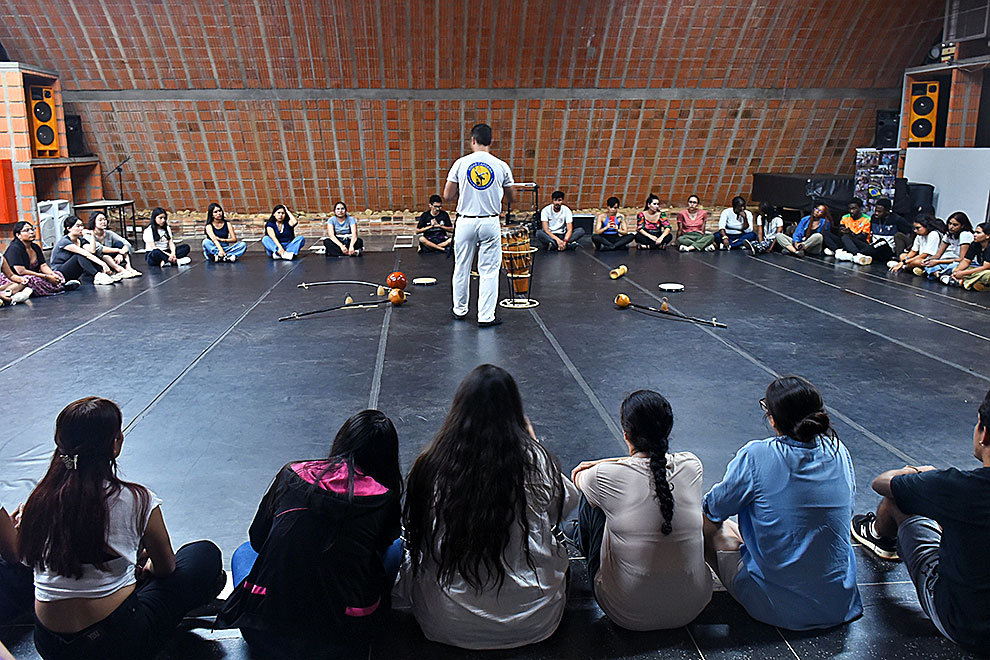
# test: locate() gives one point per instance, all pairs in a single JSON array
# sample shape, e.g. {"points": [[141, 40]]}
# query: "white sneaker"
{"points": [[184, 261], [231, 258], [710, 247], [276, 255], [862, 259], [289, 256], [842, 255], [683, 248], [166, 264], [828, 252], [102, 278], [116, 277], [892, 263], [22, 295]]}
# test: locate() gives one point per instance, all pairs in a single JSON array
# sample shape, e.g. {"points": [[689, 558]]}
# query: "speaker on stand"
{"points": [[44, 129], [888, 129]]}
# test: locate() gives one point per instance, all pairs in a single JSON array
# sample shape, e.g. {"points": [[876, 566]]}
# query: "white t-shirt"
{"points": [[557, 221], [480, 179], [773, 227], [927, 244], [731, 223], [125, 533], [529, 605], [953, 250], [151, 244], [641, 568]]}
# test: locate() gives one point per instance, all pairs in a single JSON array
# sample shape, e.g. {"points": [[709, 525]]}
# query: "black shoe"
{"points": [[449, 251], [458, 317], [862, 531], [489, 324], [749, 246], [799, 254], [70, 285]]}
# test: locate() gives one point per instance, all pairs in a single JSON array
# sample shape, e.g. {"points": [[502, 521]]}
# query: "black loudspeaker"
{"points": [[74, 136], [888, 129]]}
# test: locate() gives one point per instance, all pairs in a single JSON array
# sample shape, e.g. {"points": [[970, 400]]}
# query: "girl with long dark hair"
{"points": [[314, 581], [70, 258], [114, 249], [640, 525], [973, 271], [27, 259], [652, 227], [927, 237], [280, 240], [221, 242], [769, 223], [342, 234], [954, 246], [159, 248], [809, 235], [107, 584], [789, 560], [484, 569]]}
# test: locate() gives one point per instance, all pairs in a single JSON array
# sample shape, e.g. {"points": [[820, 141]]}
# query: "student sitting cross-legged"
{"points": [[789, 560], [640, 524], [954, 246], [484, 569], [221, 242], [973, 271], [280, 240], [809, 234], [436, 231], [936, 521], [314, 581], [557, 230]]}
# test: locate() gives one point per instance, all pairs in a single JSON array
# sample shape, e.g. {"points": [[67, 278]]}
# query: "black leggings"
{"points": [[333, 250], [143, 622], [157, 257], [831, 241], [76, 266], [612, 242], [648, 243]]}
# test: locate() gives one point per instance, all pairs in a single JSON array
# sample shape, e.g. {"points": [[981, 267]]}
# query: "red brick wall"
{"points": [[307, 102]]}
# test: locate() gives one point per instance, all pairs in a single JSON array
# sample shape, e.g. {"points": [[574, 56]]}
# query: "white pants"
{"points": [[468, 233]]}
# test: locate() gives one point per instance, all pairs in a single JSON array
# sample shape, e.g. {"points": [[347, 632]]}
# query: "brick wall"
{"points": [[256, 102]]}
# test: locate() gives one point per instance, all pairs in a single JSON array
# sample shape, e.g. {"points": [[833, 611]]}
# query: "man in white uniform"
{"points": [[478, 182]]}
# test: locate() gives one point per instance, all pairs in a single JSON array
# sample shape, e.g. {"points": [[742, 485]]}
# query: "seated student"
{"points": [[735, 225], [484, 570], [221, 242], [955, 244], [854, 236], [933, 520], [436, 231], [652, 227], [280, 240], [885, 228], [106, 582], [691, 234], [314, 581], [808, 235], [610, 231], [557, 225], [928, 237], [640, 524], [13, 288], [973, 271], [70, 258], [27, 259], [768, 225], [342, 234], [159, 248], [110, 246], [789, 561]]}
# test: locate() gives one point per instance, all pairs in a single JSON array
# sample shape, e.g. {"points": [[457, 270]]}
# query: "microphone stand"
{"points": [[120, 176]]}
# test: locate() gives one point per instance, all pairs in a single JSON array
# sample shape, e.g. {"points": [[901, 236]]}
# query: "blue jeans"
{"points": [[235, 249], [269, 644], [735, 240], [937, 271], [292, 246]]}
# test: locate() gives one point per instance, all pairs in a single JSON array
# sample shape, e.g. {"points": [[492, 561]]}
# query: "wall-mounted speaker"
{"points": [[75, 140], [44, 129], [924, 111], [888, 129]]}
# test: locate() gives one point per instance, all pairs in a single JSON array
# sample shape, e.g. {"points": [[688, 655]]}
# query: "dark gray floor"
{"points": [[217, 395]]}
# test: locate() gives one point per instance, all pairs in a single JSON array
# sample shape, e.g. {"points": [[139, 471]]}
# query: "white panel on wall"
{"points": [[961, 178]]}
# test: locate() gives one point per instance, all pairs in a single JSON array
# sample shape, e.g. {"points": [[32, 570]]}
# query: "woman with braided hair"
{"points": [[640, 524], [789, 560]]}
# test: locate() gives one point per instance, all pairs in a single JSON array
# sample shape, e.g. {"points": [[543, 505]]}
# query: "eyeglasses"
{"points": [[763, 405]]}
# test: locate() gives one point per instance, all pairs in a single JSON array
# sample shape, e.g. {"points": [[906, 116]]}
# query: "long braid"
{"points": [[658, 465]]}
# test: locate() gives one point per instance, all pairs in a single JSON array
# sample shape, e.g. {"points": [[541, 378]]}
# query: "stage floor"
{"points": [[217, 395]]}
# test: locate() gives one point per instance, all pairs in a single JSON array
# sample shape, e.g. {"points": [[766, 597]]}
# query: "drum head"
{"points": [[671, 286], [424, 281]]}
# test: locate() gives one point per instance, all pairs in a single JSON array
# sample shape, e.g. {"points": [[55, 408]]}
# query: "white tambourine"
{"points": [[671, 286]]}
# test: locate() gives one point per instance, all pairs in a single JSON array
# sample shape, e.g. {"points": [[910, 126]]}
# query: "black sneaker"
{"points": [[70, 285], [490, 324], [862, 531], [458, 317]]}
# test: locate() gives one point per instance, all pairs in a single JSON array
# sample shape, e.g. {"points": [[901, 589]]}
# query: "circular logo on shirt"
{"points": [[480, 175]]}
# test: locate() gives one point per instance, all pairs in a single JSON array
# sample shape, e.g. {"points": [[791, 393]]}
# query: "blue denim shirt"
{"points": [[794, 504], [802, 228]]}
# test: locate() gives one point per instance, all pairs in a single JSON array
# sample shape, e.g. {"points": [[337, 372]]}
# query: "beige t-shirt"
{"points": [[649, 581]]}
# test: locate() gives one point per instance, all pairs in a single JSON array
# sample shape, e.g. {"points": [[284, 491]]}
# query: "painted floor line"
{"points": [[376, 380], [837, 317], [766, 368], [578, 378], [89, 322], [144, 411], [876, 300]]}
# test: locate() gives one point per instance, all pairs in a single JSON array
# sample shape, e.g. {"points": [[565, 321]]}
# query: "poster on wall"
{"points": [[876, 171]]}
